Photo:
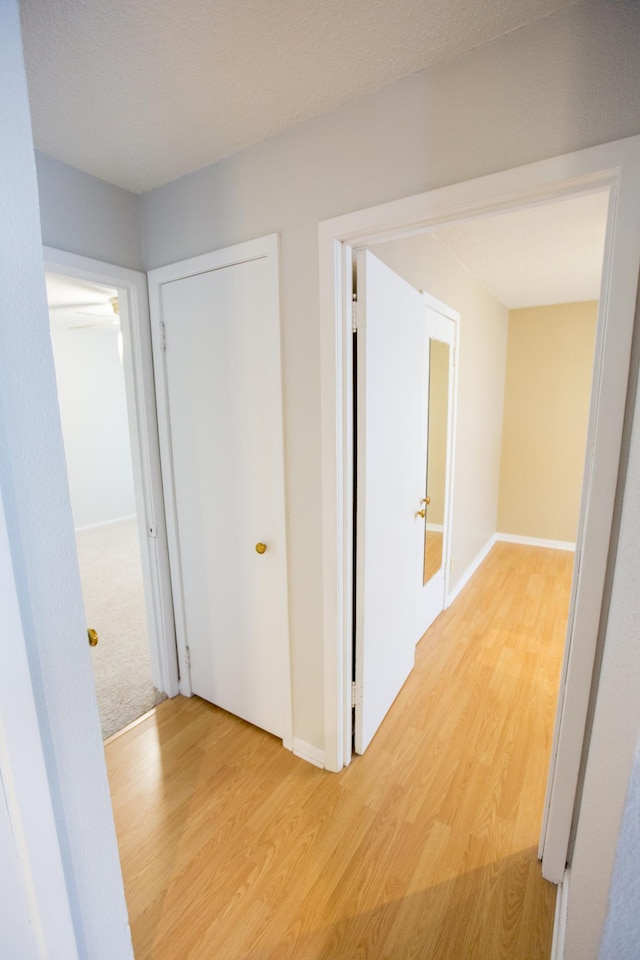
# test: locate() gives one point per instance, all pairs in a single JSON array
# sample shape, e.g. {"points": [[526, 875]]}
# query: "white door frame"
{"points": [[615, 166], [239, 253], [145, 452]]}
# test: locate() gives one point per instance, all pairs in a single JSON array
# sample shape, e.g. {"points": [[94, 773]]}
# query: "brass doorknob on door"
{"points": [[261, 547], [421, 513], [93, 637], [426, 500]]}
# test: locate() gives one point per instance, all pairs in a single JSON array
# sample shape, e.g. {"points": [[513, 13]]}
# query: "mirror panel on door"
{"points": [[436, 456]]}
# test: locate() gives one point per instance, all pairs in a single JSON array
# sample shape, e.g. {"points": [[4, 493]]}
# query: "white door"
{"points": [[437, 465], [223, 458], [391, 442]]}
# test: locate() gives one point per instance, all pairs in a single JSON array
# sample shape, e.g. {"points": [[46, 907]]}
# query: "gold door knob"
{"points": [[261, 547], [426, 500], [421, 513], [93, 637]]}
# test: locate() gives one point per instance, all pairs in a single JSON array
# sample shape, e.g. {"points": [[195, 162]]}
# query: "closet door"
{"points": [[217, 331]]}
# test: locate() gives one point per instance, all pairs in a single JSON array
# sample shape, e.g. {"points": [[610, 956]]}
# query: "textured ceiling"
{"points": [[546, 254], [139, 92]]}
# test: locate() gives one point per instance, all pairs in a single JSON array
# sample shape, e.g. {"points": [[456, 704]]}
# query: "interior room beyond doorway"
{"points": [[523, 370], [526, 284], [88, 350]]}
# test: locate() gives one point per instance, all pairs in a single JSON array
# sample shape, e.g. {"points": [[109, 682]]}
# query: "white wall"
{"points": [[621, 940], [40, 529], [614, 737], [34, 901], [84, 215], [93, 410], [424, 263], [563, 83]]}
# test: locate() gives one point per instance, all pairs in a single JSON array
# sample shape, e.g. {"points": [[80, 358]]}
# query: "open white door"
{"points": [[437, 467], [391, 391], [137, 363], [216, 325]]}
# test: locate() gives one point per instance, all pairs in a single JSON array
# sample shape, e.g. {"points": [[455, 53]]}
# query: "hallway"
{"points": [[425, 847]]}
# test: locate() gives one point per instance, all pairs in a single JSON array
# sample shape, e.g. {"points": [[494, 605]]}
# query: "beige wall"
{"points": [[546, 408]]}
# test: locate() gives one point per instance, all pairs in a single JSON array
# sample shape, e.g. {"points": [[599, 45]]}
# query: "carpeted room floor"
{"points": [[111, 574]]}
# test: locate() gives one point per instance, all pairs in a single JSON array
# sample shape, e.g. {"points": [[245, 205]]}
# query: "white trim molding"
{"points": [[471, 569], [560, 918], [536, 541], [307, 751], [106, 523]]}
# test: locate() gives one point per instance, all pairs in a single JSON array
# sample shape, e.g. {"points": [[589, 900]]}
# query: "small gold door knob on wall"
{"points": [[261, 547], [93, 637], [421, 513], [426, 500]]}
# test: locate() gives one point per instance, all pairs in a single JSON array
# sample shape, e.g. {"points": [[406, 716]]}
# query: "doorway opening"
{"points": [[529, 313], [102, 351], [595, 170], [89, 354], [526, 350]]}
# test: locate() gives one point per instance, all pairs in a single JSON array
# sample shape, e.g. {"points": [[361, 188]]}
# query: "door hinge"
{"points": [[187, 657], [354, 316], [163, 336], [355, 699]]}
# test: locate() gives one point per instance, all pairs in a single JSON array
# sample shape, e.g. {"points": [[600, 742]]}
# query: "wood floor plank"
{"points": [[424, 848]]}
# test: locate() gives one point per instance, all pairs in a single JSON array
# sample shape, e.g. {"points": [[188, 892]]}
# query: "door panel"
{"points": [[224, 401], [391, 455]]}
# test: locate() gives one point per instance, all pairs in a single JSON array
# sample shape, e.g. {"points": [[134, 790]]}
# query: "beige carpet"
{"points": [[111, 575]]}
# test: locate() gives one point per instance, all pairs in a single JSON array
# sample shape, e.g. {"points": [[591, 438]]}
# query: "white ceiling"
{"points": [[78, 304], [551, 253], [139, 92]]}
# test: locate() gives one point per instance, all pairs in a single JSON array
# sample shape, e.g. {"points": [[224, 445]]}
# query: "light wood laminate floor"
{"points": [[234, 849]]}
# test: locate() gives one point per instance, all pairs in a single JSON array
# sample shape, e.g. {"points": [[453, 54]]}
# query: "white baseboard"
{"points": [[105, 523], [306, 751], [436, 527], [560, 919], [536, 541], [469, 572]]}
